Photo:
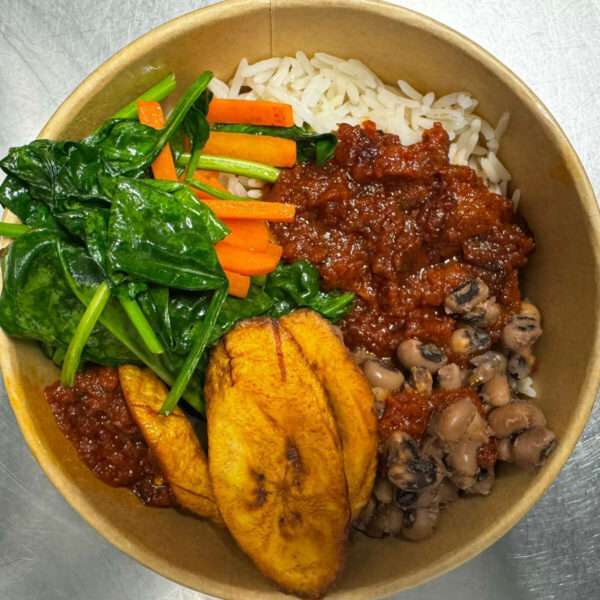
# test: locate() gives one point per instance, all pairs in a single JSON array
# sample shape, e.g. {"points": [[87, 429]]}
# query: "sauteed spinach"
{"points": [[112, 267]]}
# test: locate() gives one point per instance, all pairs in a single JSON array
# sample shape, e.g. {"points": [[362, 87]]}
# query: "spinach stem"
{"points": [[156, 93], [199, 344], [82, 333], [181, 109], [213, 191], [13, 230], [140, 322], [192, 165], [236, 166]]}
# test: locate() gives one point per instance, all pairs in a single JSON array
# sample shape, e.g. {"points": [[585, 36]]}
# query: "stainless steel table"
{"points": [[47, 551]]}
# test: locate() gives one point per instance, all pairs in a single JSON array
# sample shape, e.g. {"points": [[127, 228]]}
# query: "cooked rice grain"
{"points": [[326, 90]]}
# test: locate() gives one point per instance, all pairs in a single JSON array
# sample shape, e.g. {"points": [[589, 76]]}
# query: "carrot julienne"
{"points": [[247, 233], [269, 150], [246, 262], [238, 284], [274, 250], [252, 209], [254, 112], [150, 113]]}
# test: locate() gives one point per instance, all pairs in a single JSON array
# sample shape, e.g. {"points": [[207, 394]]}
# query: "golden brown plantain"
{"points": [[275, 457], [350, 398], [172, 440]]}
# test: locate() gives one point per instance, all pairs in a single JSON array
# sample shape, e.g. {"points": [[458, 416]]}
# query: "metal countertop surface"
{"points": [[47, 551]]}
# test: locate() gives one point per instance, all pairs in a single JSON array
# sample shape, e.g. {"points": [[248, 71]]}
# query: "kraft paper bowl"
{"points": [[562, 278]]}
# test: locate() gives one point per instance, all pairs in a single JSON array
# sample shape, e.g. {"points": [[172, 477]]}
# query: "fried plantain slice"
{"points": [[350, 398], [172, 440], [275, 458]]}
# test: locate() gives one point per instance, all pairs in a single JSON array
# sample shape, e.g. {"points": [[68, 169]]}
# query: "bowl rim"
{"points": [[191, 20]]}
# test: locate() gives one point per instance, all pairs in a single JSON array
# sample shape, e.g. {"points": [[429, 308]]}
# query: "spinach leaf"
{"points": [[63, 175], [95, 226], [186, 310], [154, 302], [164, 237], [124, 147], [37, 302], [297, 285], [311, 146], [62, 179], [83, 277], [200, 341], [15, 195], [176, 314], [128, 147], [197, 130], [66, 175]]}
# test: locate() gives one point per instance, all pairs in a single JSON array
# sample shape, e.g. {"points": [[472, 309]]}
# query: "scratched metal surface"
{"points": [[47, 551]]}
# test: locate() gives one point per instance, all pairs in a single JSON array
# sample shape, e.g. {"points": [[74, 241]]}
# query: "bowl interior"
{"points": [[562, 278]]}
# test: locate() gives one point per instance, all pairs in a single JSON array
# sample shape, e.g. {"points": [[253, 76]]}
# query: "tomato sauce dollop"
{"points": [[401, 228], [94, 417]]}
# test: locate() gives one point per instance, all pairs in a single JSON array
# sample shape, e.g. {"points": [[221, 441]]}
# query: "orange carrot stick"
{"points": [[252, 209], [266, 149], [151, 114], [210, 178], [255, 112], [274, 250], [238, 284], [249, 234], [210, 175], [245, 262]]}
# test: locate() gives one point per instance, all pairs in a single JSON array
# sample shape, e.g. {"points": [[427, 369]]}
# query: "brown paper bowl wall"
{"points": [[562, 278]]}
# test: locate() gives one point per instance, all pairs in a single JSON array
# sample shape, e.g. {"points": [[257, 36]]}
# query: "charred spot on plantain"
{"points": [[229, 361], [289, 521], [278, 350], [292, 455], [260, 492]]}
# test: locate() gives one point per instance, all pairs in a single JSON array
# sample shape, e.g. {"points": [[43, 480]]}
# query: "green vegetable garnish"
{"points": [[140, 322], [199, 344], [82, 333], [156, 93], [247, 168], [213, 191], [13, 230], [158, 232], [196, 128]]}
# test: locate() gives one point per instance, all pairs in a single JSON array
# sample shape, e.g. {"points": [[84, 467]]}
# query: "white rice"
{"points": [[325, 90]]}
